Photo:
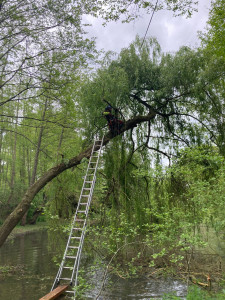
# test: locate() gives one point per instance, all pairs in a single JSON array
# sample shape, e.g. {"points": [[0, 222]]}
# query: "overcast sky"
{"points": [[171, 32]]}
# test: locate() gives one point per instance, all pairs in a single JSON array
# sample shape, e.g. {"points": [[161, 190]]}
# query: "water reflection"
{"points": [[33, 276], [30, 253], [117, 288]]}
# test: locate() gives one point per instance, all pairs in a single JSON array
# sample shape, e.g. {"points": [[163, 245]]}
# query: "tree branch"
{"points": [[35, 119], [27, 139], [157, 150]]}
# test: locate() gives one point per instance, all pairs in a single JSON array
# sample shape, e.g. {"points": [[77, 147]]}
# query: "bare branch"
{"points": [[9, 130], [161, 152], [35, 119]]}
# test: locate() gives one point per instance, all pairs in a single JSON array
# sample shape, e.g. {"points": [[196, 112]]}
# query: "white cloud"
{"points": [[171, 32]]}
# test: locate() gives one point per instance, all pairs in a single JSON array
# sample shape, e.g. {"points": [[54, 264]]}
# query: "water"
{"points": [[33, 277], [35, 272]]}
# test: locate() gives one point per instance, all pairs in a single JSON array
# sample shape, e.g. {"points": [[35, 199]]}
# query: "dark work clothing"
{"points": [[114, 124]]}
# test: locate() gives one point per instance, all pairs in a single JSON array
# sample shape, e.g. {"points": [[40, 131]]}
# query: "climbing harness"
{"points": [[115, 125]]}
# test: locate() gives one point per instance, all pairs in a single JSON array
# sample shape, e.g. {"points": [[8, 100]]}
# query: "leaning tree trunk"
{"points": [[13, 219]]}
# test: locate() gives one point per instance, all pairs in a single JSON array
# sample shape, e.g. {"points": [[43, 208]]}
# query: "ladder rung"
{"points": [[76, 236], [68, 256]]}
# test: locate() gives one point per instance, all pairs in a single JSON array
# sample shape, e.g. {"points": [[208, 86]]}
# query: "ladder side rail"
{"points": [[93, 180], [67, 245], [83, 186], [76, 264], [72, 225], [76, 268], [77, 260], [94, 176], [91, 195]]}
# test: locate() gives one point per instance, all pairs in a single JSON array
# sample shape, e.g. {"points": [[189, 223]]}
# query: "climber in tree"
{"points": [[115, 125]]}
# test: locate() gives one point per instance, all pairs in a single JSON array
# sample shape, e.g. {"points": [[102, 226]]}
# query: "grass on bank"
{"points": [[196, 293], [26, 229]]}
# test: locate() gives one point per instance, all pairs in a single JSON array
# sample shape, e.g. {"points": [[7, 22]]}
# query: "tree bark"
{"points": [[13, 219]]}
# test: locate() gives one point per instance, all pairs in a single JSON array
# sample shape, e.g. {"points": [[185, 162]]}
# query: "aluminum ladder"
{"points": [[69, 267]]}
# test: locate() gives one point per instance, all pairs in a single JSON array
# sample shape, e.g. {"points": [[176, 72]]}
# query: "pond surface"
{"points": [[34, 274]]}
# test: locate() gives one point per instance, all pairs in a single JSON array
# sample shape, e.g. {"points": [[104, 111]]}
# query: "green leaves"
{"points": [[112, 10], [213, 38]]}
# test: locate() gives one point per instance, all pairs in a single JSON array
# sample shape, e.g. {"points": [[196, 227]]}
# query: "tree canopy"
{"points": [[172, 86]]}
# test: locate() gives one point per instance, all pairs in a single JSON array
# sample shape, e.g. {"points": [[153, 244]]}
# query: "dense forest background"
{"points": [[161, 182]]}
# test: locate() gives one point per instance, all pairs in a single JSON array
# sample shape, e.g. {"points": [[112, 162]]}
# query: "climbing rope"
{"points": [[149, 22]]}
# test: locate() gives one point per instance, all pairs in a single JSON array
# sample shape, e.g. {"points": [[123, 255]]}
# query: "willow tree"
{"points": [[170, 89], [142, 81]]}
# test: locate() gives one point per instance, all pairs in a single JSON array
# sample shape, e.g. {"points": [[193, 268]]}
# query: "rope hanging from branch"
{"points": [[149, 22]]}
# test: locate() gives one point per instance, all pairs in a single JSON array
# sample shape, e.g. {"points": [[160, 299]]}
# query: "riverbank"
{"points": [[23, 261], [18, 230]]}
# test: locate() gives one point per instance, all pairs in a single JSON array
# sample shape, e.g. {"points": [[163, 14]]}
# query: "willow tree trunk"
{"points": [[13, 219]]}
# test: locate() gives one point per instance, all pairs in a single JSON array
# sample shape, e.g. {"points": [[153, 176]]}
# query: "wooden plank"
{"points": [[55, 293]]}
